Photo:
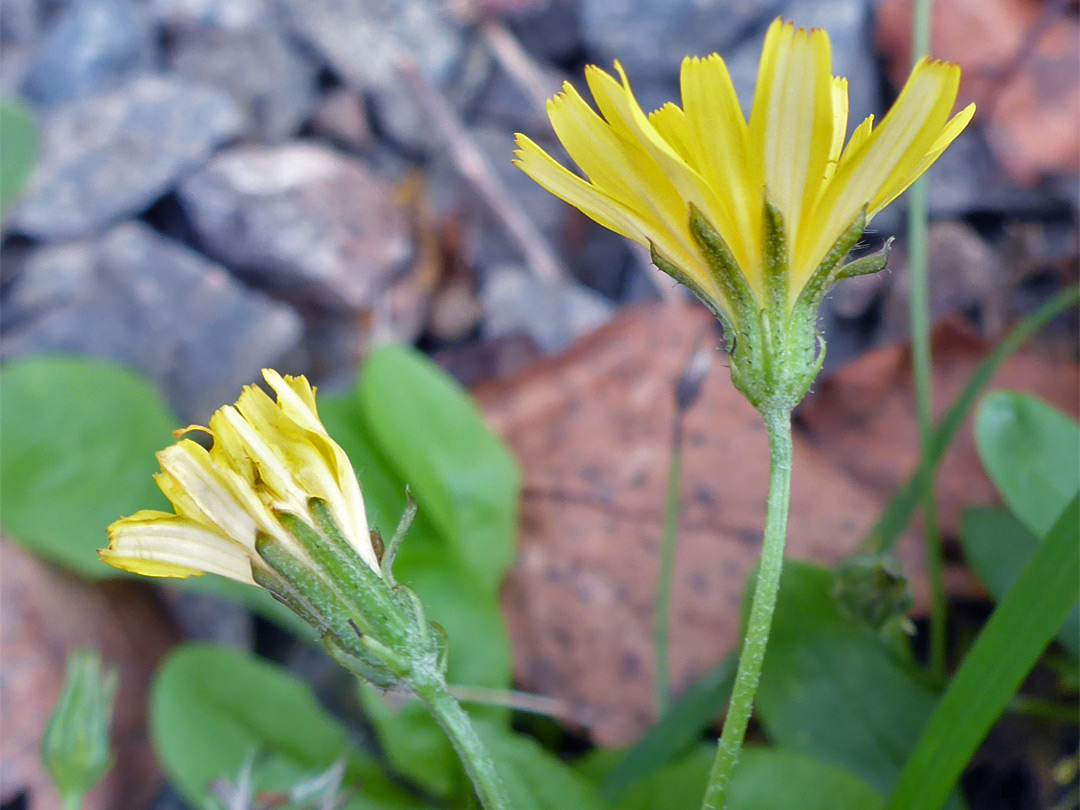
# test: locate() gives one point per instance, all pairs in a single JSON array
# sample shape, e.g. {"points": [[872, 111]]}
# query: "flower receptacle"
{"points": [[369, 624], [775, 348]]}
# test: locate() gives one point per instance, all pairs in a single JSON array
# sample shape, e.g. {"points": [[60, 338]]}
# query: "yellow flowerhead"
{"points": [[268, 458], [274, 502], [774, 196]]}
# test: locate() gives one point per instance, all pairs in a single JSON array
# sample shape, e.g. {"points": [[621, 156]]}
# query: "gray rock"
{"points": [[849, 25], [136, 297], [14, 60], [594, 255], [966, 275], [106, 158], [96, 46], [550, 31], [303, 220], [452, 195], [210, 618], [341, 118], [364, 42], [21, 21], [271, 81], [968, 179], [503, 103], [216, 15], [651, 37], [551, 314]]}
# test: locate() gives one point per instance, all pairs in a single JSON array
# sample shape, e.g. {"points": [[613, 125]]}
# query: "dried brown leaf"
{"points": [[45, 614]]}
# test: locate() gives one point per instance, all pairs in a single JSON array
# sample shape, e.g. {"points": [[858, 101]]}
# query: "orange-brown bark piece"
{"points": [[592, 428], [45, 614]]}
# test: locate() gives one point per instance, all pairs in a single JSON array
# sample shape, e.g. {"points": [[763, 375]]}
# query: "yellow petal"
{"points": [[295, 457], [840, 119], [567, 186], [250, 429], [792, 121], [672, 125], [887, 158], [296, 399], [189, 468], [719, 133], [858, 137], [953, 129], [617, 103], [618, 167], [158, 544], [606, 210]]}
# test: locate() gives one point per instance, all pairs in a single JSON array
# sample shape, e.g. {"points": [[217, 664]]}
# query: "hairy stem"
{"points": [[473, 753], [761, 612]]}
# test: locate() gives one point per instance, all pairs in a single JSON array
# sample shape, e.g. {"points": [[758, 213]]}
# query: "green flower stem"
{"points": [[73, 801], [918, 219], [752, 655], [667, 567], [470, 748]]}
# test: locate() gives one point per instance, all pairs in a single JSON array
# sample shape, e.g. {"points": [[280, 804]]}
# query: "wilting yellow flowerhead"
{"points": [[274, 502], [268, 457], [764, 209]]}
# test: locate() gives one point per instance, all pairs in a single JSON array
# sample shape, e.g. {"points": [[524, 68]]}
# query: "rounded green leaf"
{"points": [[213, 708], [1032, 453], [78, 438], [765, 779], [461, 474], [770, 779], [997, 546], [537, 779]]}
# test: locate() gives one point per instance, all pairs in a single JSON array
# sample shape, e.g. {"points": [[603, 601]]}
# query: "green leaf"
{"points": [[997, 546], [78, 438], [460, 473], [676, 785], [19, 153], [772, 779], [894, 518], [212, 708], [675, 733], [1032, 453], [831, 688], [765, 779], [1005, 651], [535, 778], [414, 744]]}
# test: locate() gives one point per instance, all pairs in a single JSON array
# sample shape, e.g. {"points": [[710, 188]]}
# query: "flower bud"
{"points": [[275, 503], [75, 748]]}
